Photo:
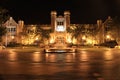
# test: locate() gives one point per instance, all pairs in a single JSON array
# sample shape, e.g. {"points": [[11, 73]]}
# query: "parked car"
{"points": [[110, 44]]}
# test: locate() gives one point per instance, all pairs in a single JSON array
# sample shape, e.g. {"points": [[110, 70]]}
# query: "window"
{"points": [[60, 28]]}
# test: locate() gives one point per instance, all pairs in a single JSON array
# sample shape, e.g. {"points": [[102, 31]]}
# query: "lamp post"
{"points": [[6, 40]]}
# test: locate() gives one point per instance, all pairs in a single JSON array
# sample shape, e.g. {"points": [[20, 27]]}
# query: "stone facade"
{"points": [[89, 33], [13, 31]]}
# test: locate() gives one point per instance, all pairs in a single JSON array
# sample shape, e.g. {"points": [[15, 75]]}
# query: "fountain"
{"points": [[60, 38], [60, 46]]}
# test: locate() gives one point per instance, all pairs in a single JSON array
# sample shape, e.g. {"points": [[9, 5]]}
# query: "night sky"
{"points": [[82, 11]]}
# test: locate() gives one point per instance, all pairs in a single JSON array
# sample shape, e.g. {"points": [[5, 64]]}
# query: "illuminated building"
{"points": [[13, 31], [89, 34], [59, 25]]}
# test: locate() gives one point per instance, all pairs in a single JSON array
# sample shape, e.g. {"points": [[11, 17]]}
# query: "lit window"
{"points": [[60, 28]]}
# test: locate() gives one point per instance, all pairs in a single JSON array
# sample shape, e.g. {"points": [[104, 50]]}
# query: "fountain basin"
{"points": [[60, 50]]}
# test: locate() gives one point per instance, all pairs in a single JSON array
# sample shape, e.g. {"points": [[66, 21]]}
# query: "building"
{"points": [[13, 31], [87, 34], [59, 25]]}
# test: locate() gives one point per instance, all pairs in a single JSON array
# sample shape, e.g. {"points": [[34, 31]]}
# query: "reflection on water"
{"points": [[70, 57], [50, 57], [80, 65], [37, 57], [83, 55], [60, 57], [108, 55], [12, 56]]}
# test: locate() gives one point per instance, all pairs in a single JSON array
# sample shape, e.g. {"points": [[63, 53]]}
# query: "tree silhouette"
{"points": [[3, 17]]}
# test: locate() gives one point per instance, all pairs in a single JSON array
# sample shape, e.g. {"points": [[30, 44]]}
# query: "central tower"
{"points": [[59, 25]]}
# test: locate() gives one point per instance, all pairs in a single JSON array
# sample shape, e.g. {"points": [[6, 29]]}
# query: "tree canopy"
{"points": [[3, 17]]}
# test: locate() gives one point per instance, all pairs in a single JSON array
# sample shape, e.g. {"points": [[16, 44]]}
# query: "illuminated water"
{"points": [[87, 64]]}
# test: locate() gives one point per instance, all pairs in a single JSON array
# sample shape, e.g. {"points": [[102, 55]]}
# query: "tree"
{"points": [[76, 31], [3, 17], [43, 32], [2, 32]]}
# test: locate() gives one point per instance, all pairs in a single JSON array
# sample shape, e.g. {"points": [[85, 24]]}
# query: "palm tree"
{"points": [[45, 34], [75, 30]]}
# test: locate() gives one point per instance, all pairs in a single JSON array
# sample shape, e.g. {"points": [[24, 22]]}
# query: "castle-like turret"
{"points": [[53, 19], [67, 18]]}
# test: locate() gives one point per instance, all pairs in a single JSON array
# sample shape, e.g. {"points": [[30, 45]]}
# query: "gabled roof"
{"points": [[108, 20], [10, 22]]}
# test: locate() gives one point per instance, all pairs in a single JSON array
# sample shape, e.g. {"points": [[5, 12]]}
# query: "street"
{"points": [[34, 64]]}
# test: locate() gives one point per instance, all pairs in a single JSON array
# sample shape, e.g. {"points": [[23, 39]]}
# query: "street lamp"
{"points": [[6, 43], [84, 38], [108, 37], [12, 37]]}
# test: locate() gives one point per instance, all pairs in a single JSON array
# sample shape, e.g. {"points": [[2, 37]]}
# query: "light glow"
{"points": [[108, 36], [12, 37], [83, 38], [60, 28]]}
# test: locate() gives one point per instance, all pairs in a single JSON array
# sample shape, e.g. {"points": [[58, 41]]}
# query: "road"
{"points": [[86, 64]]}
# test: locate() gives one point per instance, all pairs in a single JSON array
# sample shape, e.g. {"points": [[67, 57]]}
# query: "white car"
{"points": [[2, 47], [117, 46]]}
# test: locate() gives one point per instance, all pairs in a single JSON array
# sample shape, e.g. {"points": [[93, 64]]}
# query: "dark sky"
{"points": [[82, 11]]}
